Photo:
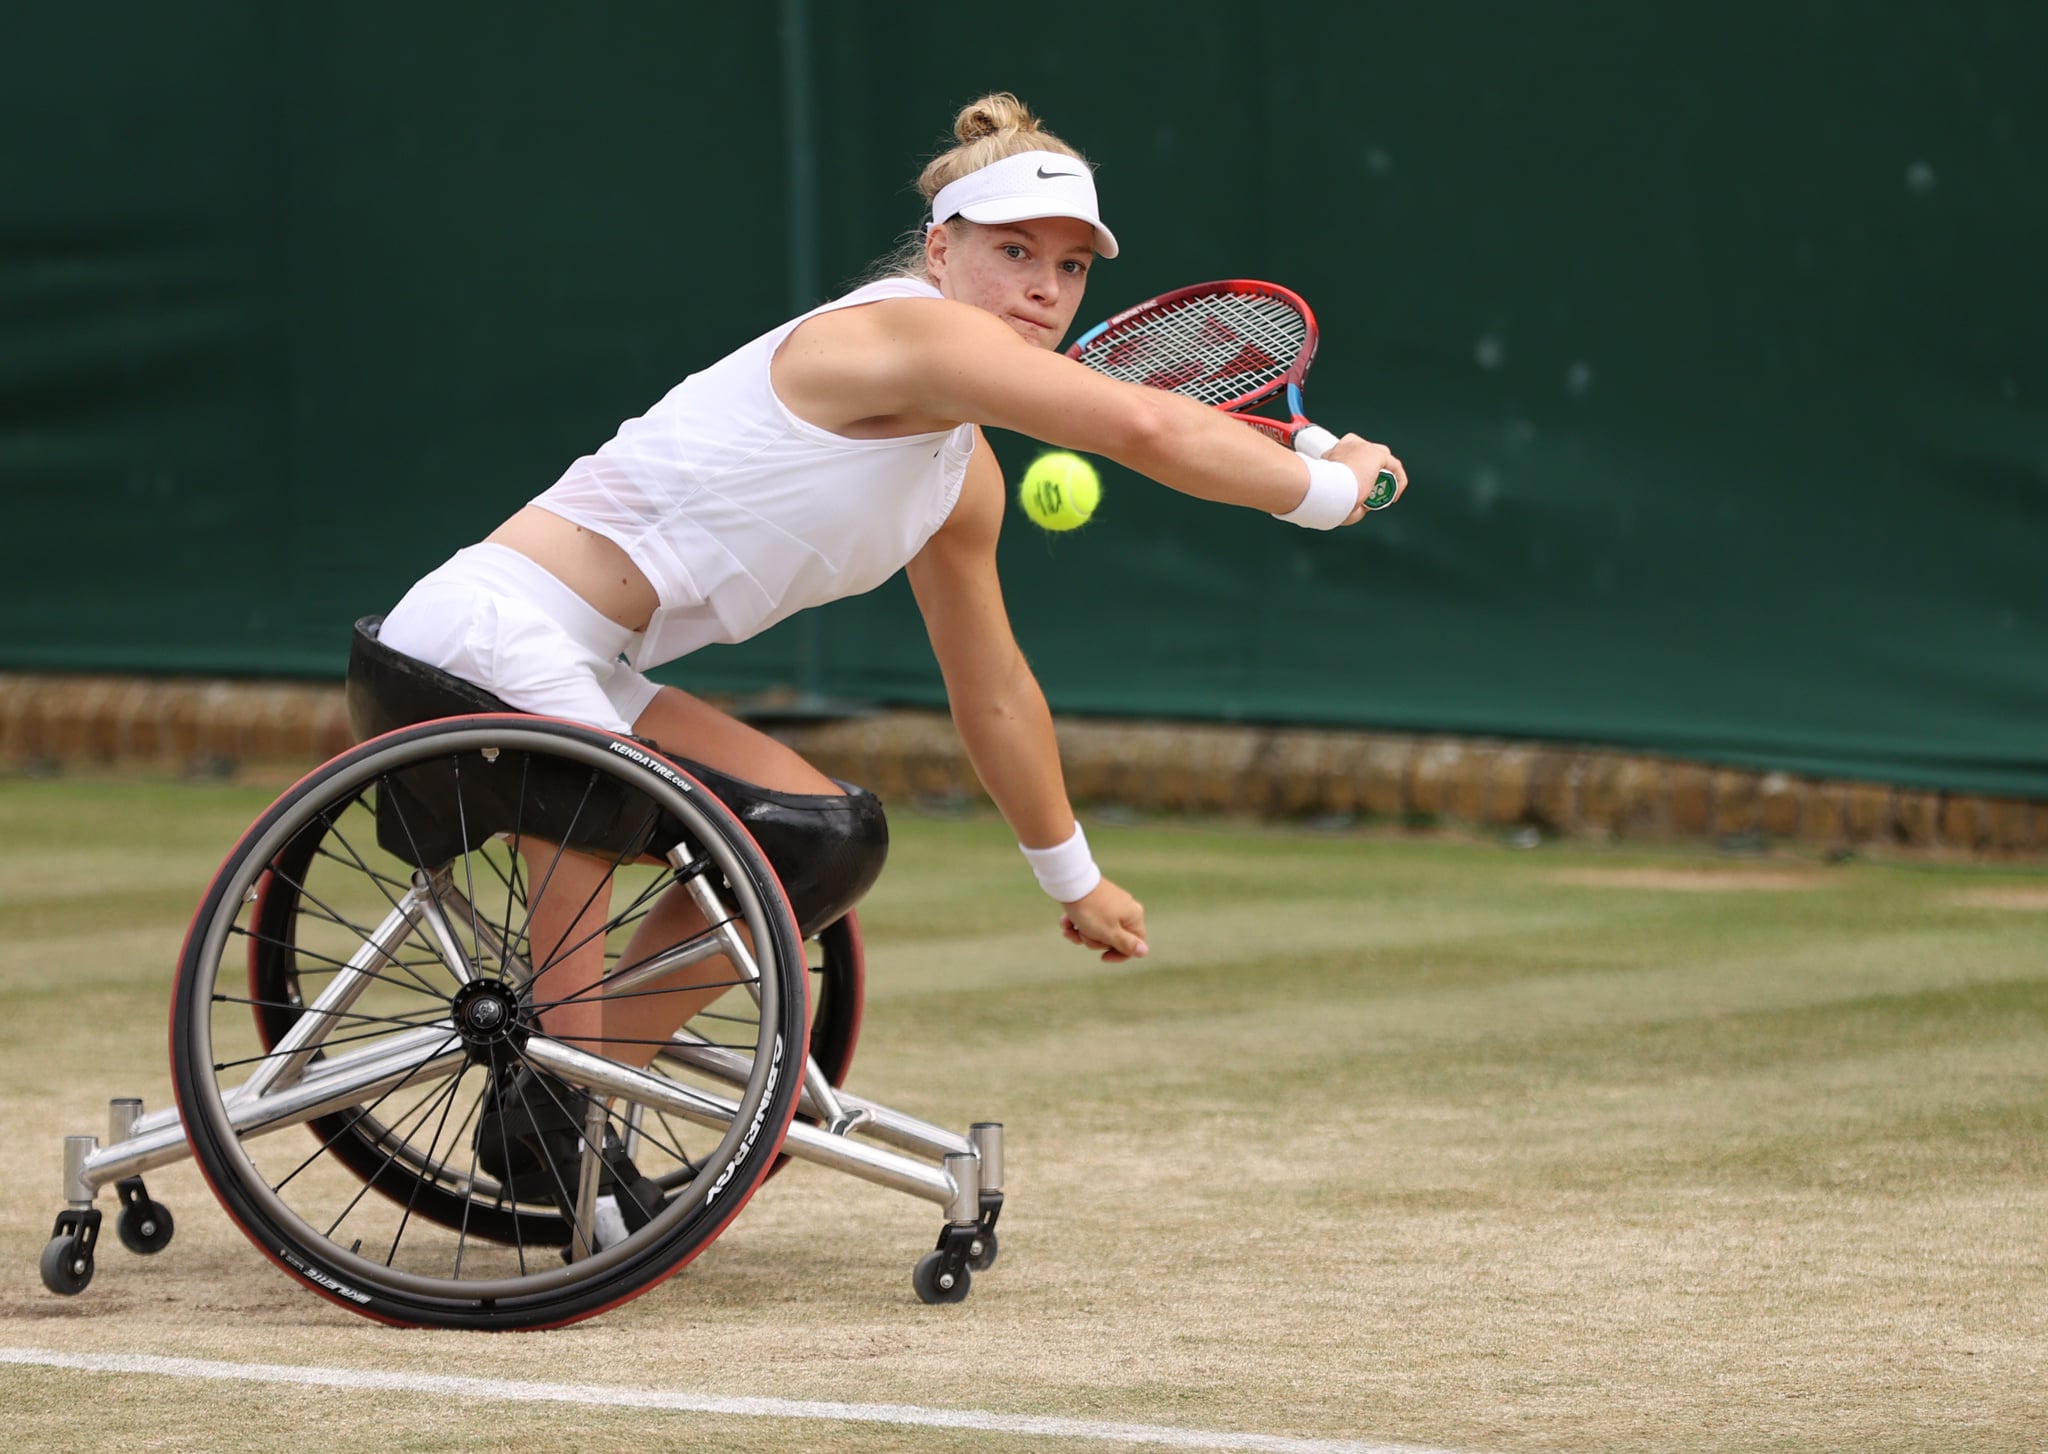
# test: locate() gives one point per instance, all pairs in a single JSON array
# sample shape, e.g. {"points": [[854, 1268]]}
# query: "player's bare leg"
{"points": [[692, 728], [571, 901], [535, 1133]]}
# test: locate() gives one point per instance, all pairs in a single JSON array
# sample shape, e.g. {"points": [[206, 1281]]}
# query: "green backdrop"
{"points": [[1712, 339]]}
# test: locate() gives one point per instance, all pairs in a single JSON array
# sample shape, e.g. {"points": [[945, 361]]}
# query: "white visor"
{"points": [[1019, 188]]}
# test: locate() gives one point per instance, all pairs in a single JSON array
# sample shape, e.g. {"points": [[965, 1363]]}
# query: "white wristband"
{"points": [[1332, 496], [1068, 871]]}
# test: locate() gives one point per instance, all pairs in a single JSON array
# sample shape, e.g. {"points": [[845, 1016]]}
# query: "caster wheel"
{"points": [[981, 1253], [66, 1266], [934, 1285], [144, 1227]]}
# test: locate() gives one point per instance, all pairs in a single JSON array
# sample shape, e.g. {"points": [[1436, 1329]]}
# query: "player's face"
{"points": [[1029, 274]]}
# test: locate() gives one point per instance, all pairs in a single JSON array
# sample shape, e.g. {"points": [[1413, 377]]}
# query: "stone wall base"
{"points": [[74, 722]]}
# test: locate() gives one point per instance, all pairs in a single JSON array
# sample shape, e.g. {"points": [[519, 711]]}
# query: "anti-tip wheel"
{"points": [[935, 1285], [982, 1251], [66, 1266], [144, 1226]]}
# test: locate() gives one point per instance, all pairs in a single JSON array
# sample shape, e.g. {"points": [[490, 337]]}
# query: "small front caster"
{"points": [[144, 1226], [981, 1252], [67, 1256], [934, 1280]]}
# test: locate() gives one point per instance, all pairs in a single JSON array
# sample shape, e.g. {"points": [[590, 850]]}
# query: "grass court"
{"points": [[1394, 1138]]}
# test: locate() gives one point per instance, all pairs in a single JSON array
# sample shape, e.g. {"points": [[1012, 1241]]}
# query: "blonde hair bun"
{"points": [[996, 126], [993, 115]]}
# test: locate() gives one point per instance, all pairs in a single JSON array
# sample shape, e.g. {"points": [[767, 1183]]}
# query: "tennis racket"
{"points": [[1234, 345]]}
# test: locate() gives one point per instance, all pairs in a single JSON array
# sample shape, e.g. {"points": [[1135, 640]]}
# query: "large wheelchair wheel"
{"points": [[375, 920]]}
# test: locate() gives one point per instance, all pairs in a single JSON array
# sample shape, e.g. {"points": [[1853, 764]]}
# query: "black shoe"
{"points": [[530, 1137]]}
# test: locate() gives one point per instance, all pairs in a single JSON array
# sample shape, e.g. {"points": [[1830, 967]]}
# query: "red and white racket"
{"points": [[1233, 344]]}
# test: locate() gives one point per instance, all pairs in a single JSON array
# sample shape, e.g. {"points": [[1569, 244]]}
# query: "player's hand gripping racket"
{"points": [[1234, 345]]}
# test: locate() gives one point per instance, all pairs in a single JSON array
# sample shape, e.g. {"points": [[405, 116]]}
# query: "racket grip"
{"points": [[1314, 441]]}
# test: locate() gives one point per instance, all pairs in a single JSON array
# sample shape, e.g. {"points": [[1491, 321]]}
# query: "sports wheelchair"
{"points": [[359, 1018]]}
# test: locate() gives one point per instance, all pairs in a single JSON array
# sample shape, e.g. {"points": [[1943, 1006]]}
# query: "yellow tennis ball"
{"points": [[1060, 491]]}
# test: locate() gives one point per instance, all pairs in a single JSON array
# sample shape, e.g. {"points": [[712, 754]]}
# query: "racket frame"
{"points": [[1296, 431], [1290, 378]]}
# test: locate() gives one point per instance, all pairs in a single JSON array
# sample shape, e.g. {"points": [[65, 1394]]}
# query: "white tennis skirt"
{"points": [[500, 621]]}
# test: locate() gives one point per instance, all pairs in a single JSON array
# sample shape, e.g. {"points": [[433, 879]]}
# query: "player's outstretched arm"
{"points": [[998, 707], [937, 363]]}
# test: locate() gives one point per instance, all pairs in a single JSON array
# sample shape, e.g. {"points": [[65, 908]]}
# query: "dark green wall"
{"points": [[1714, 341]]}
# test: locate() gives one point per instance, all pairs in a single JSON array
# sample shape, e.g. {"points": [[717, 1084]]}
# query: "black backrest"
{"points": [[428, 813], [388, 690]]}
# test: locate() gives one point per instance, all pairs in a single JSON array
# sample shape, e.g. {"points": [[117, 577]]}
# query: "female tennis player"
{"points": [[813, 464]]}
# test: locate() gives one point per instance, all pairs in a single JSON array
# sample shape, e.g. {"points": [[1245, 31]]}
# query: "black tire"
{"points": [[65, 1267], [839, 980], [145, 1227], [928, 1276], [395, 1074], [987, 1249]]}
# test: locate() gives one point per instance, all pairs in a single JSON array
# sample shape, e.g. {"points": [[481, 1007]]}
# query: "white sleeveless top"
{"points": [[742, 514]]}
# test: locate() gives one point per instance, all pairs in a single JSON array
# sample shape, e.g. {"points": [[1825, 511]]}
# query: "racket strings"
{"points": [[1216, 349]]}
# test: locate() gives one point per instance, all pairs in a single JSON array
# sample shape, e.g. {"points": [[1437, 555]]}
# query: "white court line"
{"points": [[599, 1395]]}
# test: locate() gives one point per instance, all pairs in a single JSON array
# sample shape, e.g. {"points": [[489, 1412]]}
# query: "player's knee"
{"points": [[826, 848]]}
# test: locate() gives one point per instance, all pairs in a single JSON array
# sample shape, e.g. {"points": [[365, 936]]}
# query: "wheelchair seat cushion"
{"points": [[827, 849]]}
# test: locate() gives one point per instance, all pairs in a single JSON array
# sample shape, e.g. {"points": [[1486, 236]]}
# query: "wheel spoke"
{"points": [[394, 904], [526, 929], [355, 1118], [433, 1144], [324, 1043], [421, 1113], [562, 952], [517, 939], [597, 990]]}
